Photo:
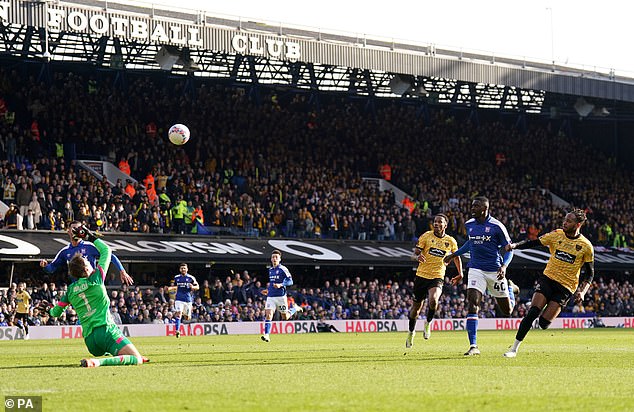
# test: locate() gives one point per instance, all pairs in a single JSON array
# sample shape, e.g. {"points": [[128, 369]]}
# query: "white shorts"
{"points": [[183, 307], [481, 280], [277, 302]]}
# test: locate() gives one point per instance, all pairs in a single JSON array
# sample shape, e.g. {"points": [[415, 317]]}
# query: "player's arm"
{"points": [[195, 285], [507, 255], [418, 255], [506, 260], [125, 278], [584, 281], [105, 253], [524, 244], [458, 278], [463, 249], [59, 308], [55, 264]]}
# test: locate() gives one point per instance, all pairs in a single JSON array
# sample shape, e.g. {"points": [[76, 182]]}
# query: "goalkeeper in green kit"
{"points": [[90, 300]]}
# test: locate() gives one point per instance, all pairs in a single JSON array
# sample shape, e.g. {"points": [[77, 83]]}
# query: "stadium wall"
{"points": [[24, 246], [293, 327]]}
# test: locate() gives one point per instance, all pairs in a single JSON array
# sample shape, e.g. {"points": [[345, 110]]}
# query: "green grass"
{"points": [[583, 370]]}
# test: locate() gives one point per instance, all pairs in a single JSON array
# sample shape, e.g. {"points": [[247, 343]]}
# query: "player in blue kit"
{"points": [[185, 285], [86, 249], [487, 238], [279, 279]]}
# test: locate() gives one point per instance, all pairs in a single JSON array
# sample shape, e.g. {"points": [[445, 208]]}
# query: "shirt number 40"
{"points": [[499, 286]]}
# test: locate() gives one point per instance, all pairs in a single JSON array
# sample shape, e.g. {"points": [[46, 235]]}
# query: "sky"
{"points": [[582, 34]]}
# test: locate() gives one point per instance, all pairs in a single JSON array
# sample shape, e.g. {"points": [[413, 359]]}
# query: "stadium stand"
{"points": [[281, 166], [238, 299]]}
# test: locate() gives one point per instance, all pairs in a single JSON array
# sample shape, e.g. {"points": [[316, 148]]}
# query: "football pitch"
{"points": [[558, 370]]}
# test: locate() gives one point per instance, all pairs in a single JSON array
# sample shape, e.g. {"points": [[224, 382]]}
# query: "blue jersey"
{"points": [[279, 274], [87, 249], [184, 292], [484, 243]]}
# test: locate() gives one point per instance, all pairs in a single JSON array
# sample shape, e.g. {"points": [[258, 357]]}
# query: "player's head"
{"points": [[480, 207], [79, 266], [573, 222], [182, 268], [276, 257], [21, 286], [74, 224], [440, 224]]}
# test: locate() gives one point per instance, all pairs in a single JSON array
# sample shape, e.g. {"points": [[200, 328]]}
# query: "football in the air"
{"points": [[178, 134]]}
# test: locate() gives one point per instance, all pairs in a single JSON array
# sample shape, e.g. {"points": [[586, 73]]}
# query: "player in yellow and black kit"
{"points": [[569, 251], [431, 248], [23, 301]]}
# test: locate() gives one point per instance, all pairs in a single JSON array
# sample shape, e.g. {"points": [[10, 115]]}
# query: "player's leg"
{"points": [[500, 291], [413, 316], [537, 304], [178, 306], [290, 311], [474, 297], [128, 355], [269, 309], [433, 295], [281, 303], [414, 312], [22, 323], [187, 311], [514, 292], [110, 340], [177, 324], [477, 285]]}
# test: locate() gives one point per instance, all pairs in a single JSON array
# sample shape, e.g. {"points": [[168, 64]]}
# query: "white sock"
{"points": [[516, 345]]}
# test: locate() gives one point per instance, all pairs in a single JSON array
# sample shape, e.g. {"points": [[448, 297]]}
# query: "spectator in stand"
{"points": [[23, 198], [8, 191], [124, 166]]}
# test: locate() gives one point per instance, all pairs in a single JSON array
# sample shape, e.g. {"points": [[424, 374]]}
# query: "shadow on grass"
{"points": [[64, 365], [308, 360]]}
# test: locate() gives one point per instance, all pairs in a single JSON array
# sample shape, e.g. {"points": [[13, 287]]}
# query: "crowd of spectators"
{"points": [[238, 298], [283, 164]]}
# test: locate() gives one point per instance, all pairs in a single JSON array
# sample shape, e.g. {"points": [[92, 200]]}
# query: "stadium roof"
{"points": [[141, 36]]}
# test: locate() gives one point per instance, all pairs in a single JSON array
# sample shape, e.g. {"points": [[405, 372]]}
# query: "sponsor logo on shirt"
{"points": [[480, 239], [436, 252], [565, 256]]}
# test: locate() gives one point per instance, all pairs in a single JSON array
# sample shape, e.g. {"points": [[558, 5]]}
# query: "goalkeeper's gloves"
{"points": [[44, 306], [82, 232]]}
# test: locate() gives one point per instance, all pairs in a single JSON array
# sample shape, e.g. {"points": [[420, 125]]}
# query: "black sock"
{"points": [[412, 324], [430, 314], [527, 323]]}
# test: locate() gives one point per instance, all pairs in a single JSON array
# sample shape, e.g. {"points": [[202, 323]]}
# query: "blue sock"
{"points": [[267, 327], [178, 324], [472, 328], [512, 298], [291, 311]]}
